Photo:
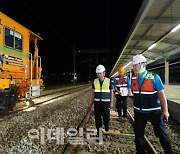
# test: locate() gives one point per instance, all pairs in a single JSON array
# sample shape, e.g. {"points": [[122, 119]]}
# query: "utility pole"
{"points": [[89, 51], [89, 69], [74, 63]]}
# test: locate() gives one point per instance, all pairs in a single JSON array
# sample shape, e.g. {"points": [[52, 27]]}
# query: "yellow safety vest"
{"points": [[102, 93]]}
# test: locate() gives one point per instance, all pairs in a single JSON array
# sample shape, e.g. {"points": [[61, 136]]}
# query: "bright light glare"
{"points": [[27, 103], [175, 28], [30, 109], [152, 46], [49, 102]]}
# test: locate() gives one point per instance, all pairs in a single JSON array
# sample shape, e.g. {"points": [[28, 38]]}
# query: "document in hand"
{"points": [[124, 91]]}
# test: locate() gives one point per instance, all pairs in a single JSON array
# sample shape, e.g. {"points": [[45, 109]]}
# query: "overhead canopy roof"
{"points": [[153, 26]]}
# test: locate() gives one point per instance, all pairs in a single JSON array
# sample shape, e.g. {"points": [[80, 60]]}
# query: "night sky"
{"points": [[85, 25]]}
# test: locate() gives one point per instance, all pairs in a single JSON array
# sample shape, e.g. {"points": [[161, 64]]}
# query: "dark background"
{"points": [[86, 26]]}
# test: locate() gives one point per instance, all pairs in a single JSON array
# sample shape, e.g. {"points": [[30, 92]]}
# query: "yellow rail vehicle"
{"points": [[20, 68]]}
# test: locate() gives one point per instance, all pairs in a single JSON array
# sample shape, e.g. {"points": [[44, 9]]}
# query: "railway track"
{"points": [[123, 141], [69, 112], [62, 114], [121, 135], [45, 98]]}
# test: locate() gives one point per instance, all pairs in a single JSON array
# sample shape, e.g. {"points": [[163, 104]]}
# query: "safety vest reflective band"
{"points": [[145, 97], [101, 90], [137, 92], [121, 85], [102, 93], [124, 85], [134, 77], [152, 109]]}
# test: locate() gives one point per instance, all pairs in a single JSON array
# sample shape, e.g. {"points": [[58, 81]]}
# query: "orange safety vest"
{"points": [[120, 84], [145, 97]]}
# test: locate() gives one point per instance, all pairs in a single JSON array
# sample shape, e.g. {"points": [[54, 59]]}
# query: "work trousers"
{"points": [[102, 114], [121, 105], [156, 120]]}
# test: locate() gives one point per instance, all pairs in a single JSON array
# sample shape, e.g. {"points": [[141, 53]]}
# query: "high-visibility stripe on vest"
{"points": [[102, 93], [145, 97], [121, 85]]}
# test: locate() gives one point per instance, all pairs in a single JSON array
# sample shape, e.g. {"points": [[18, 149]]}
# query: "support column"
{"points": [[36, 61], [167, 70]]}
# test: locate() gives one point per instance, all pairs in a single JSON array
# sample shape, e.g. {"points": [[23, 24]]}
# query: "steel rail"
{"points": [[149, 146], [70, 148], [39, 103]]}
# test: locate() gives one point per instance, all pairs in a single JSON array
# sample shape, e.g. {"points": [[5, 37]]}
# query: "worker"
{"points": [[122, 90], [150, 104], [112, 82], [102, 96]]}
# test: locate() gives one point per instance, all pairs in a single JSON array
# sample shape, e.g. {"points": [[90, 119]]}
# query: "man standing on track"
{"points": [[102, 96], [122, 90], [150, 104]]}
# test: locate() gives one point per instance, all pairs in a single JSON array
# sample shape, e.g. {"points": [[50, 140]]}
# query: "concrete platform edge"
{"points": [[174, 110]]}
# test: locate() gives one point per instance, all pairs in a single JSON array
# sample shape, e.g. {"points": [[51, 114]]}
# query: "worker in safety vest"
{"points": [[102, 96], [122, 90], [150, 104]]}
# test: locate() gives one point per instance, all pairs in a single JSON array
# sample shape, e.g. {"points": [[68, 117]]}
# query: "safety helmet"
{"points": [[138, 59], [121, 70], [100, 69]]}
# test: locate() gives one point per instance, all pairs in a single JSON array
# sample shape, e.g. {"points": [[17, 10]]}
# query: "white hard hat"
{"points": [[100, 69], [138, 59]]}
